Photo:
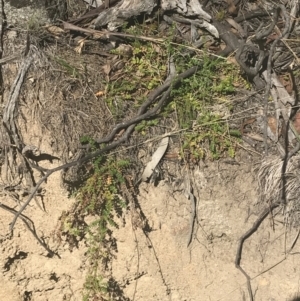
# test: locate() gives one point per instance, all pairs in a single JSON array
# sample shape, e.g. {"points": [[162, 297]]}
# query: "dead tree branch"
{"points": [[9, 111], [142, 114], [269, 70]]}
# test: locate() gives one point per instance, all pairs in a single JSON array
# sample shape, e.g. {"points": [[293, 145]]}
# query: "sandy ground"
{"points": [[159, 265]]}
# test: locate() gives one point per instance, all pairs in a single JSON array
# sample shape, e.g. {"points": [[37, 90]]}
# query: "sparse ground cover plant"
{"points": [[205, 133], [100, 199]]}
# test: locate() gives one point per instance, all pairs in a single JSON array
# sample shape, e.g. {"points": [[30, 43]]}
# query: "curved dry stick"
{"points": [[141, 115], [252, 15], [130, 125], [269, 69], [265, 33], [25, 220], [168, 290], [245, 236], [192, 219]]}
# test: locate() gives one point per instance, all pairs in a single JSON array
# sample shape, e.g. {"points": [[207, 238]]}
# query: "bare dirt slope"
{"points": [[160, 266], [205, 270], [27, 272]]}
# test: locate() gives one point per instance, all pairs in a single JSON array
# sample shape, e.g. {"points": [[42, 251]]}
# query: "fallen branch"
{"points": [[9, 111], [107, 34], [269, 69], [129, 125], [245, 236]]}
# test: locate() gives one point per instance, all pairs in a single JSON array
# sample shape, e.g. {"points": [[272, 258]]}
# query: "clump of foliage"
{"points": [[99, 199], [143, 71], [206, 135], [205, 132]]}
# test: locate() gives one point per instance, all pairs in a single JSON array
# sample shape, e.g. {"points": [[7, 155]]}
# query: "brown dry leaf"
{"points": [[100, 93], [286, 82], [55, 30], [232, 9], [78, 48], [296, 122], [272, 123], [273, 36], [255, 137], [107, 68], [236, 26], [232, 60]]}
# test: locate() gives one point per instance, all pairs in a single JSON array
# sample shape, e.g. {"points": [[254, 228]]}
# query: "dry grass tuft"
{"points": [[279, 182]]}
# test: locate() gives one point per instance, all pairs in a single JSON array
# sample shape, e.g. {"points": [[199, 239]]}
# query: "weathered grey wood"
{"points": [[117, 15], [186, 8], [125, 9]]}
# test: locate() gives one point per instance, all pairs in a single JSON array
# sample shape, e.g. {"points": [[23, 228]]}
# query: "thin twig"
{"points": [[245, 236], [107, 34], [26, 221]]}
